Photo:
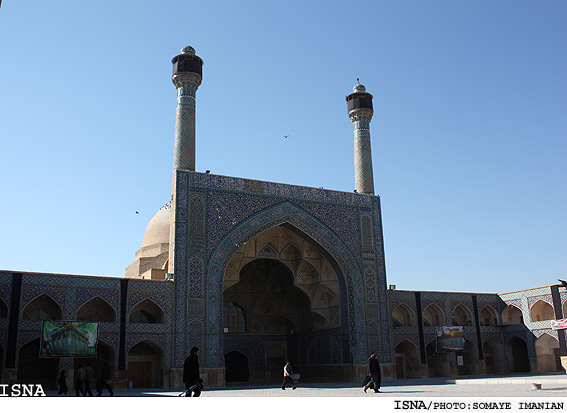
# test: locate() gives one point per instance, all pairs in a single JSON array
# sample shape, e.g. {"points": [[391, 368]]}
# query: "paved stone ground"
{"points": [[552, 386]]}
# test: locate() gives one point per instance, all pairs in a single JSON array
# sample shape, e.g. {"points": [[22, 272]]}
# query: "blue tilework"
{"points": [[234, 217]]}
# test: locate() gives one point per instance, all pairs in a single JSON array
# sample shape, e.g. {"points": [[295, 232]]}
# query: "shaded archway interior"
{"points": [[282, 301]]}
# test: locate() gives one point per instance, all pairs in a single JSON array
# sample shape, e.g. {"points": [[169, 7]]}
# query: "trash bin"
{"points": [[130, 385]]}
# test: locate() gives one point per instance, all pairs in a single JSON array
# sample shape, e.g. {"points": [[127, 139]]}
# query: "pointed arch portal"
{"points": [[352, 338], [288, 297], [348, 319]]}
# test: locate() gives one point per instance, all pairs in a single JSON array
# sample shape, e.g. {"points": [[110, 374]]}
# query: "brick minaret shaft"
{"points": [[187, 76], [360, 111]]}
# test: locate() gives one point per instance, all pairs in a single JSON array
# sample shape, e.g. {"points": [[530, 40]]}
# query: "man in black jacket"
{"points": [[191, 376], [374, 376]]}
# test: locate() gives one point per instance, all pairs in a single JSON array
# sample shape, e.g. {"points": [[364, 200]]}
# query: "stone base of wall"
{"points": [[533, 365], [120, 380], [213, 378], [481, 367], [9, 376], [388, 371], [174, 380], [424, 371]]}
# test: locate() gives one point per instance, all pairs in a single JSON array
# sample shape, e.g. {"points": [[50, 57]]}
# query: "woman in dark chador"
{"points": [[62, 383], [374, 378]]}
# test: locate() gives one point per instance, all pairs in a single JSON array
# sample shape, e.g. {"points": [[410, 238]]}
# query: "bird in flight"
{"points": [[286, 136]]}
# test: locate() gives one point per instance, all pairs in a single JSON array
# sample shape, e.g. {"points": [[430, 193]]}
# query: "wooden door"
{"points": [[399, 367], [140, 373]]}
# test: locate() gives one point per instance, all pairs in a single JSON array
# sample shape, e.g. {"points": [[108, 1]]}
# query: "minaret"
{"points": [[187, 76], [359, 104]]}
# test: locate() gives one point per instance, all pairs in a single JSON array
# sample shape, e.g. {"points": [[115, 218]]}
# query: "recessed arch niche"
{"points": [[289, 294], [542, 311], [403, 316], [147, 312], [145, 361], [96, 310], [3, 309], [488, 316], [433, 316], [461, 316], [42, 308], [512, 315]]}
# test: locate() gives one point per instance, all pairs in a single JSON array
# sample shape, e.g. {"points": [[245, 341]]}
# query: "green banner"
{"points": [[68, 339]]}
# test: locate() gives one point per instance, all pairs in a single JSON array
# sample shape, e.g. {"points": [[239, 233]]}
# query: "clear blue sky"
{"points": [[468, 135]]}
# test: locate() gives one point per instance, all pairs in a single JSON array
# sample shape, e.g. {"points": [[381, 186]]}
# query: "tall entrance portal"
{"points": [[282, 301], [277, 272]]}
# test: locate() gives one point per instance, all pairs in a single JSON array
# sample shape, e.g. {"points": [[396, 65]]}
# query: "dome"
{"points": [[359, 88], [157, 231], [188, 50]]}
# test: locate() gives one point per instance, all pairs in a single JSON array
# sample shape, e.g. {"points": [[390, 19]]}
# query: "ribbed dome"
{"points": [[157, 231]]}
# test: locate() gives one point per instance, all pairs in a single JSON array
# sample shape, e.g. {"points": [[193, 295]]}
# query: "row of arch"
{"points": [[144, 363], [432, 315], [96, 309], [499, 358]]}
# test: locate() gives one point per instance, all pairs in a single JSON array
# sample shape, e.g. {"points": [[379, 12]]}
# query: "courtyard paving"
{"points": [[552, 386]]}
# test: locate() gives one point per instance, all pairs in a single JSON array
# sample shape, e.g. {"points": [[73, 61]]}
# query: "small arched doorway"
{"points": [[548, 356], [236, 365], [494, 356], [517, 355], [144, 365], [407, 360], [469, 359], [104, 358], [33, 369], [437, 363]]}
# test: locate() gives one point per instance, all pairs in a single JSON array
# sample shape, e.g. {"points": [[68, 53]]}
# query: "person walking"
{"points": [[79, 378], [104, 381], [374, 375], [191, 376], [89, 376], [287, 376], [62, 383]]}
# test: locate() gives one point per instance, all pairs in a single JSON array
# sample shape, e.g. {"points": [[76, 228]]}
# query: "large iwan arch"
{"points": [[237, 212], [347, 269], [289, 296]]}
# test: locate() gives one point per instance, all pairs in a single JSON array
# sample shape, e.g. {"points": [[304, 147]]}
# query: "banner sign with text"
{"points": [[559, 324], [450, 338]]}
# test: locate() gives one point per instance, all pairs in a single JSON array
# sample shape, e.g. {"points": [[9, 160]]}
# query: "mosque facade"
{"points": [[255, 273]]}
